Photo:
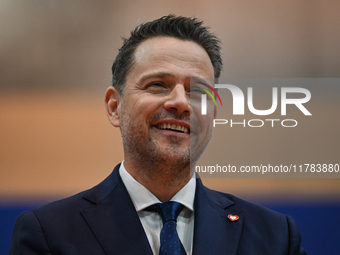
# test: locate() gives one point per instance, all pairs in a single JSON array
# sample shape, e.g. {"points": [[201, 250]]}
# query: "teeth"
{"points": [[173, 127]]}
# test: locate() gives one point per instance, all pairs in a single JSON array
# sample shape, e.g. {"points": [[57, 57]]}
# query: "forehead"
{"points": [[168, 54]]}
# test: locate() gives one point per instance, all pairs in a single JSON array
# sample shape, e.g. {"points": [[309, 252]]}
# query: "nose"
{"points": [[178, 100]]}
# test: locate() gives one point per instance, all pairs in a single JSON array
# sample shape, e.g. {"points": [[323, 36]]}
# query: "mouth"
{"points": [[173, 127]]}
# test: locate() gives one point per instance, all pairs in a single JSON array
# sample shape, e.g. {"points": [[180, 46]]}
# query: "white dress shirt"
{"points": [[151, 221]]}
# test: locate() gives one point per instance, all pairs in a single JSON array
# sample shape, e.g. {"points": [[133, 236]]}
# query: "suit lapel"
{"points": [[214, 233], [114, 220], [115, 223]]}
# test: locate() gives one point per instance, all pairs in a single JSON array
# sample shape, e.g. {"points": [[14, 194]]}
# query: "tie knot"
{"points": [[167, 210]]}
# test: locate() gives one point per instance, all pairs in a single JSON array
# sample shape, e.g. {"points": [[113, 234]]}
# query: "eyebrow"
{"points": [[154, 75], [170, 75], [205, 81]]}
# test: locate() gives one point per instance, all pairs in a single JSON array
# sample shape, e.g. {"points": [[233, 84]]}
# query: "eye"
{"points": [[197, 90], [157, 87], [157, 84]]}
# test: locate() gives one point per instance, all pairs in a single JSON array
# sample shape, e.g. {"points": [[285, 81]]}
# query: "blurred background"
{"points": [[55, 61]]}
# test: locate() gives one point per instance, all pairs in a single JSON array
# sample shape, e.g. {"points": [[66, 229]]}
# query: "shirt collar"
{"points": [[142, 197]]}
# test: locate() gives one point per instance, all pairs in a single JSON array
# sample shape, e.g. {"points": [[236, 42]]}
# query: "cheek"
{"points": [[204, 121], [144, 106]]}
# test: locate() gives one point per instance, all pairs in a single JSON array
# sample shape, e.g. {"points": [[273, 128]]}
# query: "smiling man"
{"points": [[151, 203], [153, 112]]}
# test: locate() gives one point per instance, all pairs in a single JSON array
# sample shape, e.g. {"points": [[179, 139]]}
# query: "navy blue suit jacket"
{"points": [[103, 220]]}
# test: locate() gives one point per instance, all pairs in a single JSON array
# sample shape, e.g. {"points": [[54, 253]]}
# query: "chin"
{"points": [[173, 156]]}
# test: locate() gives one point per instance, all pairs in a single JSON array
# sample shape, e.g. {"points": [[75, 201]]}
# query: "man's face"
{"points": [[154, 113]]}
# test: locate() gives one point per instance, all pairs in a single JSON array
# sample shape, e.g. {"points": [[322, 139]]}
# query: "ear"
{"points": [[112, 105]]}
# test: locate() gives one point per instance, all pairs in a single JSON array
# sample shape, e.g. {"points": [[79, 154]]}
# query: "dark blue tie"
{"points": [[170, 243]]}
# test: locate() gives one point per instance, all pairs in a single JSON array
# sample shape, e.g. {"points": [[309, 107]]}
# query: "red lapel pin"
{"points": [[233, 217]]}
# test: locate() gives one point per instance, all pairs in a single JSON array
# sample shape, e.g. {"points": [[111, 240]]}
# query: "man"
{"points": [[161, 130]]}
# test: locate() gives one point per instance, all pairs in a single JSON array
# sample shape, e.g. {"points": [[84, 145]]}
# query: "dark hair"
{"points": [[179, 27]]}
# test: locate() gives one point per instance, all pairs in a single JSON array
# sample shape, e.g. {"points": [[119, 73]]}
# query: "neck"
{"points": [[164, 181]]}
